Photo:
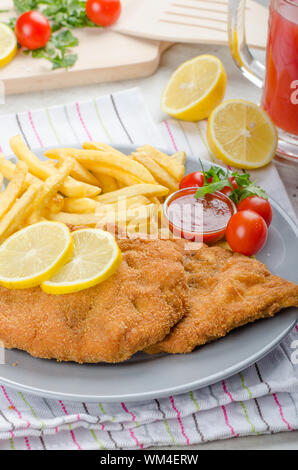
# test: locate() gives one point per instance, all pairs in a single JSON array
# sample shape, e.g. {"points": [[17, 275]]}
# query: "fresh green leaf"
{"points": [[25, 5], [210, 188], [221, 178]]}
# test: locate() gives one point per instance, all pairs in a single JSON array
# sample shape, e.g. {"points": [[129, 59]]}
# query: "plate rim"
{"points": [[179, 389]]}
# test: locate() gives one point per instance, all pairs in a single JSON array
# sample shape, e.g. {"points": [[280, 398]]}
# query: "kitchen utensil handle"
{"points": [[250, 67]]}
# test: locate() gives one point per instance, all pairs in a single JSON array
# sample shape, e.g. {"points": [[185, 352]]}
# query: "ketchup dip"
{"points": [[204, 218]]}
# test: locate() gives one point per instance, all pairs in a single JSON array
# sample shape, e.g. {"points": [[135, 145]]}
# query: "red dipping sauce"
{"points": [[203, 219]]}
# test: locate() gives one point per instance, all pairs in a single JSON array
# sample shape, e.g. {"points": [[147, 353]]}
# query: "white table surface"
{"points": [[151, 87]]}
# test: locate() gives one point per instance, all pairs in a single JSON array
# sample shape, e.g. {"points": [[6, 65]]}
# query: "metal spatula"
{"points": [[192, 21]]}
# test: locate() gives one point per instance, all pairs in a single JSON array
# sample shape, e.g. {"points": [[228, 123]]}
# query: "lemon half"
{"points": [[34, 254], [241, 134], [8, 44], [195, 88], [96, 257]]}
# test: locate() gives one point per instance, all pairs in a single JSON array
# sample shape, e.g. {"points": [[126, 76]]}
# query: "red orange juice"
{"points": [[280, 97]]}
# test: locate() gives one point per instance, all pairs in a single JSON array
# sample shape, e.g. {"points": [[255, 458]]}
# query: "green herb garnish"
{"points": [[63, 16], [221, 179]]}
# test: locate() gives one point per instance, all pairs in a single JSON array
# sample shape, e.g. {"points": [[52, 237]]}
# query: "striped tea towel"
{"points": [[262, 399]]}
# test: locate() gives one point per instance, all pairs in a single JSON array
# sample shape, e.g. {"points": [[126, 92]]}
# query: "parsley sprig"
{"points": [[63, 16], [221, 179]]}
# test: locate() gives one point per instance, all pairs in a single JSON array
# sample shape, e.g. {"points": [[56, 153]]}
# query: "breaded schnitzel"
{"points": [[130, 311], [161, 299], [226, 290]]}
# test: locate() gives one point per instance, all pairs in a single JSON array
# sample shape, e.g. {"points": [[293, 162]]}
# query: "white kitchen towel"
{"points": [[262, 399]]}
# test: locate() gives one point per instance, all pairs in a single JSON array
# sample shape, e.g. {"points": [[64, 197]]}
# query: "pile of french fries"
{"points": [[96, 186]]}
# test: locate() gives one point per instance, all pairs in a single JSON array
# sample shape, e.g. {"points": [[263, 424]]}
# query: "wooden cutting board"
{"points": [[108, 55], [104, 56], [192, 21]]}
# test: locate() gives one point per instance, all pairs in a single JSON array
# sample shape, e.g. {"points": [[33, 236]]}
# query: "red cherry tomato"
{"points": [[227, 189], [33, 30], [233, 182], [192, 180], [103, 12], [259, 205], [246, 232]]}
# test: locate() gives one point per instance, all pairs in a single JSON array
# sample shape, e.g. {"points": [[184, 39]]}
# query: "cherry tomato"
{"points": [[246, 232], [192, 180], [259, 205], [233, 182], [103, 12], [227, 189], [33, 30]]}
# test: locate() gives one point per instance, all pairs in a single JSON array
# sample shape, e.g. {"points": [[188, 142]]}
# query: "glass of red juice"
{"points": [[279, 77]]}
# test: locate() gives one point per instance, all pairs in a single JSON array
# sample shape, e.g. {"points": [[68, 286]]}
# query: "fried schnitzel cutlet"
{"points": [[161, 299], [226, 290], [133, 309]]}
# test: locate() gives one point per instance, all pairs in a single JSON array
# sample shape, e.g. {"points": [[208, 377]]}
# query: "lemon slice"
{"points": [[195, 88], [96, 257], [33, 254], [241, 134], [8, 44]]}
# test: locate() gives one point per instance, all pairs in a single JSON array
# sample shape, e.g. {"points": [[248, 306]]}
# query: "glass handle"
{"points": [[250, 67]]}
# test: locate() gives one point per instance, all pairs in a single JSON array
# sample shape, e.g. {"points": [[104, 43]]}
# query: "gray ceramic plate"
{"points": [[144, 377]]}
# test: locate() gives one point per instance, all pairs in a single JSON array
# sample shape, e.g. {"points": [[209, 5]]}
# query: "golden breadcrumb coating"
{"points": [[226, 290], [133, 309]]}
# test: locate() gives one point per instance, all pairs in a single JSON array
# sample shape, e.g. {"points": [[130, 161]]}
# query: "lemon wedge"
{"points": [[33, 254], [241, 134], [8, 44], [96, 257], [195, 88]]}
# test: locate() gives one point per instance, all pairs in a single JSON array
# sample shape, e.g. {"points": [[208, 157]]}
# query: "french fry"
{"points": [[131, 191], [80, 205], [160, 175], [88, 220], [78, 171], [120, 175], [50, 187], [145, 221], [95, 159], [50, 163], [14, 218], [13, 189], [103, 147], [169, 164], [180, 157], [106, 182], [70, 187], [155, 200], [100, 219], [122, 205], [7, 168], [125, 215], [55, 205], [137, 201]]}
